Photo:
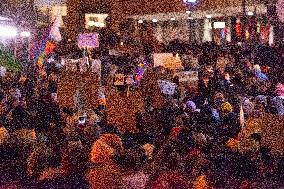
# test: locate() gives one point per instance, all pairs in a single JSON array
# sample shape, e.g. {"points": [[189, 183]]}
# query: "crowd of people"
{"points": [[196, 140]]}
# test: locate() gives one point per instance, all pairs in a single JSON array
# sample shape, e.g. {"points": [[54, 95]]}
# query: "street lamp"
{"points": [[8, 32]]}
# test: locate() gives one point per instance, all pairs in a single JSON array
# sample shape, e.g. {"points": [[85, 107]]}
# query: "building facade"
{"points": [[163, 20]]}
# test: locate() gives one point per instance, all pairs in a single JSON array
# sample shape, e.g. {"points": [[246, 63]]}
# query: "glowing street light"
{"points": [[189, 1], [8, 32], [25, 34], [154, 20], [250, 13]]}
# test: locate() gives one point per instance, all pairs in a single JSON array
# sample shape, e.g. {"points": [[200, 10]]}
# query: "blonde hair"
{"points": [[4, 135]]}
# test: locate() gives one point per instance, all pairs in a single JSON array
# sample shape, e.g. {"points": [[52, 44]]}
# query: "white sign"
{"points": [[219, 25], [83, 64], [187, 76], [167, 87], [72, 65]]}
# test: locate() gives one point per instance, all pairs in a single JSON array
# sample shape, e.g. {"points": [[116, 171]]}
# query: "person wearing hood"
{"points": [[191, 114], [259, 74], [105, 172]]}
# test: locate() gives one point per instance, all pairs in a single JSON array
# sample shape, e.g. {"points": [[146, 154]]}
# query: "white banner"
{"points": [[167, 87]]}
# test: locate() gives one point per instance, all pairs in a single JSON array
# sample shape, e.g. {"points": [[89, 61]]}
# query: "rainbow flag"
{"points": [[47, 46]]}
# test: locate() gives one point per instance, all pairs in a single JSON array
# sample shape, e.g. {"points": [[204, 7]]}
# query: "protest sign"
{"points": [[88, 40], [73, 65], [67, 86], [82, 63], [167, 88], [70, 65], [167, 60], [187, 76], [119, 79], [121, 110], [151, 89]]}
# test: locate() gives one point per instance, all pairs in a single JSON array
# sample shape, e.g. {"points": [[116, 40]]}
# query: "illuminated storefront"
{"points": [[219, 25]]}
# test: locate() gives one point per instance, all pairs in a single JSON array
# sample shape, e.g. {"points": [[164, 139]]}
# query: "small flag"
{"points": [[242, 117]]}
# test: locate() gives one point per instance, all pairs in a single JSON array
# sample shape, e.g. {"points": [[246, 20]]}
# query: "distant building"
{"points": [[205, 20]]}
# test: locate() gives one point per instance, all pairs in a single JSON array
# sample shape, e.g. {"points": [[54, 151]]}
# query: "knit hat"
{"points": [[226, 107], [191, 106], [105, 147], [257, 68]]}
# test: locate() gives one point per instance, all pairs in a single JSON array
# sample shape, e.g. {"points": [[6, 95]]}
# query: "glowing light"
{"points": [[154, 20], [250, 13], [189, 1], [219, 25], [208, 16], [25, 34], [173, 19], [7, 32], [140, 21], [188, 12], [190, 18], [96, 24], [121, 43]]}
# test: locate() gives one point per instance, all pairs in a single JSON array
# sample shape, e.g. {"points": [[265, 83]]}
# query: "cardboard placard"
{"points": [[83, 64], [121, 110], [167, 60], [119, 79], [85, 86], [151, 89], [70, 65]]}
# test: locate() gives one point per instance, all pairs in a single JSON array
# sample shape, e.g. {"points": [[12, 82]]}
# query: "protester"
{"points": [[208, 134]]}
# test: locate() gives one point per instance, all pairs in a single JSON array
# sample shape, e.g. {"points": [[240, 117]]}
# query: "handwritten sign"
{"points": [[83, 64], [187, 76], [88, 40], [119, 79], [167, 60], [167, 87], [70, 65], [73, 65]]}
